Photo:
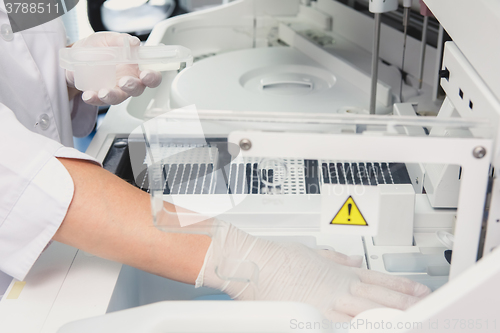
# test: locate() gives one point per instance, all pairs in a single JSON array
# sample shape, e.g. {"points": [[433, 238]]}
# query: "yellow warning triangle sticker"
{"points": [[349, 214]]}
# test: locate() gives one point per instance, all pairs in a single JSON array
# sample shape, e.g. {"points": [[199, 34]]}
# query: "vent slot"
{"points": [[363, 173]]}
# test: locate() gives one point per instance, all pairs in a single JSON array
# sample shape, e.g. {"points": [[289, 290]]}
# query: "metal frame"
{"points": [[438, 150]]}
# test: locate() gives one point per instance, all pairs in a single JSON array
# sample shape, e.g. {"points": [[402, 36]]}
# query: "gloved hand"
{"points": [[130, 81], [293, 272]]}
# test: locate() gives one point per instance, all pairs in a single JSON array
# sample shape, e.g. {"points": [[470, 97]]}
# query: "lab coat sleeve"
{"points": [[83, 117], [35, 193]]}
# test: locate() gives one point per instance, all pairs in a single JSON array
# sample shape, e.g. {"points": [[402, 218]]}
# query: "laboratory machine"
{"points": [[319, 122]]}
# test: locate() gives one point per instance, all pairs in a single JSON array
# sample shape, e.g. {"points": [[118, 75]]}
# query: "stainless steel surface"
{"points": [[120, 144]]}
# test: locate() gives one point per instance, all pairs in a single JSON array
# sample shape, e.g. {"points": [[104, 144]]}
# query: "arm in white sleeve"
{"points": [[35, 192]]}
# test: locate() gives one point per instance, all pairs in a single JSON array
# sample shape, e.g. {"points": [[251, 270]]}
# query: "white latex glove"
{"points": [[294, 272], [130, 81]]}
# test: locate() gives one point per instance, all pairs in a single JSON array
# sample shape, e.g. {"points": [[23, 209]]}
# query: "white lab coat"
{"points": [[35, 118]]}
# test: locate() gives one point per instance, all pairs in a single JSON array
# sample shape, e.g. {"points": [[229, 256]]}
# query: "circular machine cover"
{"points": [[279, 79]]}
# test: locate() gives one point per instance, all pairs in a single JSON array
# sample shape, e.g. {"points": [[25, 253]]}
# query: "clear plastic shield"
{"points": [[311, 173]]}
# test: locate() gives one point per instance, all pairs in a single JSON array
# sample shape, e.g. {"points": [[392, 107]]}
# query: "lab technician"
{"points": [[49, 191]]}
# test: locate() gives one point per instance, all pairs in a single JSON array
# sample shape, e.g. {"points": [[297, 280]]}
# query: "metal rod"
{"points": [[406, 18], [254, 30], [435, 87], [422, 52], [376, 47]]}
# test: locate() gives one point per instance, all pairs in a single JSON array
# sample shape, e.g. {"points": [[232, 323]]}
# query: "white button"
{"points": [[6, 32], [43, 121]]}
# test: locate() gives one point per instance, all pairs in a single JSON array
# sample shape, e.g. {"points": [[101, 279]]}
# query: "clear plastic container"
{"points": [[95, 68]]}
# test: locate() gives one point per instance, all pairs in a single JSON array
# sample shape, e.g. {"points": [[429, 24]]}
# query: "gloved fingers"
{"points": [[341, 259], [90, 97], [112, 96], [106, 96], [352, 305], [151, 79], [383, 296], [395, 283], [337, 317], [131, 85]]}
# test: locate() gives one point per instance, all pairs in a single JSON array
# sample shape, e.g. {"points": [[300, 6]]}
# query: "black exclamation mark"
{"points": [[349, 206]]}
